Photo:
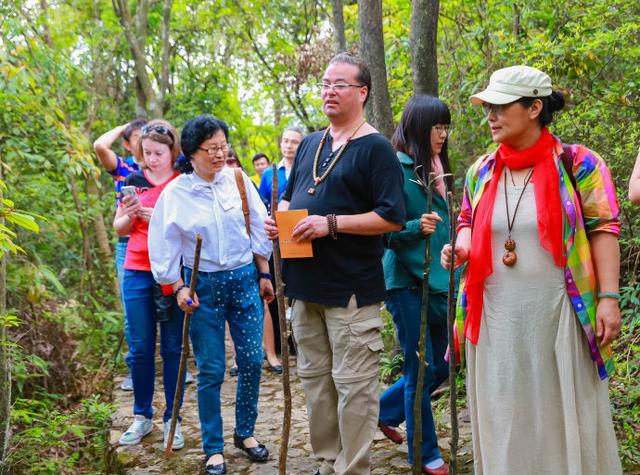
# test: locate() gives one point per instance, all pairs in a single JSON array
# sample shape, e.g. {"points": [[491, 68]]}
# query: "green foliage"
{"points": [[72, 440]]}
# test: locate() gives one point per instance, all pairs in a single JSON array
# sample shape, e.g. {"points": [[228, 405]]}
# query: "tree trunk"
{"points": [[424, 46], [338, 26], [5, 367], [372, 51], [136, 36], [516, 21], [166, 52]]}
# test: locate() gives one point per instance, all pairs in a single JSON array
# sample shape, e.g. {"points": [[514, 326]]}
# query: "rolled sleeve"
{"points": [[598, 199]]}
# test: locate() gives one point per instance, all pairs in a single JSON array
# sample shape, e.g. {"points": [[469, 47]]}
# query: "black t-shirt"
{"points": [[367, 177]]}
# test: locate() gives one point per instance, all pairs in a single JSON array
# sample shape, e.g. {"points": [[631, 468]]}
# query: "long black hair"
{"points": [[413, 134], [194, 133]]}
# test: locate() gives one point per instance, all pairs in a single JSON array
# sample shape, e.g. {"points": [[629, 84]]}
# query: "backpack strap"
{"points": [[567, 158], [243, 196]]}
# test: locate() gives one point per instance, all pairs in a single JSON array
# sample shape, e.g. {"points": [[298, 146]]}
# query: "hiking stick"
{"points": [[451, 309], [185, 350], [284, 334], [427, 183]]}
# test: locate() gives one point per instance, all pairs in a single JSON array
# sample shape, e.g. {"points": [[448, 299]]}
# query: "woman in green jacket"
{"points": [[421, 141]]}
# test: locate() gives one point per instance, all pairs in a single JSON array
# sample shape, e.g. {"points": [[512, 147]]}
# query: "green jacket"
{"points": [[403, 259]]}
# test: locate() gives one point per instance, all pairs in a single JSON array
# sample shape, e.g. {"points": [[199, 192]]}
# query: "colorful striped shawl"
{"points": [[596, 209]]}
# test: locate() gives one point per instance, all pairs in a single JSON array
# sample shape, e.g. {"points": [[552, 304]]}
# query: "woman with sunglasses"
{"points": [[157, 148], [538, 229], [206, 199], [421, 143]]}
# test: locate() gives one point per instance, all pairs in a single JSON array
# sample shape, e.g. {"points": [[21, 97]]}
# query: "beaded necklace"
{"points": [[318, 179]]}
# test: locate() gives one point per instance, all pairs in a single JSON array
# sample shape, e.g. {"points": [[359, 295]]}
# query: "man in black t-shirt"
{"points": [[349, 180]]}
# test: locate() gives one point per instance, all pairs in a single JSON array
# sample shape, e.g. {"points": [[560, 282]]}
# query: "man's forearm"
{"points": [[365, 224]]}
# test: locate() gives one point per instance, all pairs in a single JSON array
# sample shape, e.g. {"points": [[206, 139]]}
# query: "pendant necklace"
{"points": [[318, 179], [510, 257]]}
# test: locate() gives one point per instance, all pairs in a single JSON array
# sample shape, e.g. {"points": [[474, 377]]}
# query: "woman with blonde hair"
{"points": [[158, 148]]}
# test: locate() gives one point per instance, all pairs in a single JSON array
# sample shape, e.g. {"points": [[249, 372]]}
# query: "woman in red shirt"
{"points": [[158, 147]]}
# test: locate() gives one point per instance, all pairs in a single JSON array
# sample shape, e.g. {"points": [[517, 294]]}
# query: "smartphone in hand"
{"points": [[129, 191]]}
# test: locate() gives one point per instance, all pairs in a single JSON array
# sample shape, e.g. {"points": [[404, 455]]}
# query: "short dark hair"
{"points": [[413, 133], [364, 75], [194, 133], [131, 127], [550, 104], [258, 156]]}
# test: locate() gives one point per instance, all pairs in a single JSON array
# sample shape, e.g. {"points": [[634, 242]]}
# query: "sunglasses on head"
{"points": [[158, 129]]}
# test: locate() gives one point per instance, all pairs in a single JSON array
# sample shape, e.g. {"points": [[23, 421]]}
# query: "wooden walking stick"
{"points": [[284, 334], [426, 182], [451, 310], [185, 350]]}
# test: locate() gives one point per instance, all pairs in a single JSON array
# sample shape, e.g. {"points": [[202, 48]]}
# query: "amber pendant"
{"points": [[510, 257], [311, 190]]}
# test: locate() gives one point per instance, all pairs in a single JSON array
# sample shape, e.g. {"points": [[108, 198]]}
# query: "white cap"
{"points": [[510, 84]]}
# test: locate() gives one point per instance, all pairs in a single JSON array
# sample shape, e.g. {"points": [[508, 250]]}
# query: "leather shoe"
{"points": [[392, 434], [211, 469], [255, 454], [277, 369], [441, 470]]}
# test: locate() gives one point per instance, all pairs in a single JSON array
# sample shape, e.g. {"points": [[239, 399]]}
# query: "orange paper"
{"points": [[289, 248]]}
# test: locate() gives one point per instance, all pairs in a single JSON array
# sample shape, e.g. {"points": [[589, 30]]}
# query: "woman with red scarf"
{"points": [[538, 231]]}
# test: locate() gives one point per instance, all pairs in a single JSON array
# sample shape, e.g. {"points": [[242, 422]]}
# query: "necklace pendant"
{"points": [[509, 258], [311, 190]]}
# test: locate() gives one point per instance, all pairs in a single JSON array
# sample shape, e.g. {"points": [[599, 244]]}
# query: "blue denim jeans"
{"points": [[121, 253], [141, 316], [396, 403], [231, 296]]}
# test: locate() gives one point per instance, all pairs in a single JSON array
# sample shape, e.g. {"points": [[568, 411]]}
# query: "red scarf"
{"points": [[547, 193]]}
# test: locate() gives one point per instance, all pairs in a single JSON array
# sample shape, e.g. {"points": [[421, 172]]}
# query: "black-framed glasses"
{"points": [[214, 149], [338, 87], [442, 128]]}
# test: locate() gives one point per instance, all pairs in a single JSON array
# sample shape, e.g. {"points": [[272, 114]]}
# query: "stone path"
{"points": [[147, 458]]}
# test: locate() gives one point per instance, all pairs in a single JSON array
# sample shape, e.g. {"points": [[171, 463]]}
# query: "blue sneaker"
{"points": [[127, 383]]}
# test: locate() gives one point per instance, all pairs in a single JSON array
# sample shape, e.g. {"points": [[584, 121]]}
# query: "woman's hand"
{"points": [[185, 302], [145, 213], [461, 255], [428, 223], [270, 228], [311, 227], [608, 321], [266, 290], [131, 206]]}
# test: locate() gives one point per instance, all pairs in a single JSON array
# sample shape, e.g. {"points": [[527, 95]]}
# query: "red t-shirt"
{"points": [[137, 257]]}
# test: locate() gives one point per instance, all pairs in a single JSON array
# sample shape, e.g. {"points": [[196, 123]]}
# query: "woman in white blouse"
{"points": [[205, 199]]}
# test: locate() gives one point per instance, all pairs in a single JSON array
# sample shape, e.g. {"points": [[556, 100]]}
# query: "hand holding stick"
{"points": [[185, 350]]}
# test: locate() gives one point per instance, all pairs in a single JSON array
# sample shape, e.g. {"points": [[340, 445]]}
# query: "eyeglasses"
{"points": [[442, 128], [214, 149], [339, 87]]}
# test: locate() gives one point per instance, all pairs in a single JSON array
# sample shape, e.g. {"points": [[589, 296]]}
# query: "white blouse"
{"points": [[191, 205]]}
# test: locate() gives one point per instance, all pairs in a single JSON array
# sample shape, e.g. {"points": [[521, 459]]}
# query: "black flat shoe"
{"points": [[255, 454], [211, 469], [277, 369]]}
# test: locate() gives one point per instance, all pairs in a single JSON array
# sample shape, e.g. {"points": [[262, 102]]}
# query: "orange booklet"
{"points": [[289, 248]]}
